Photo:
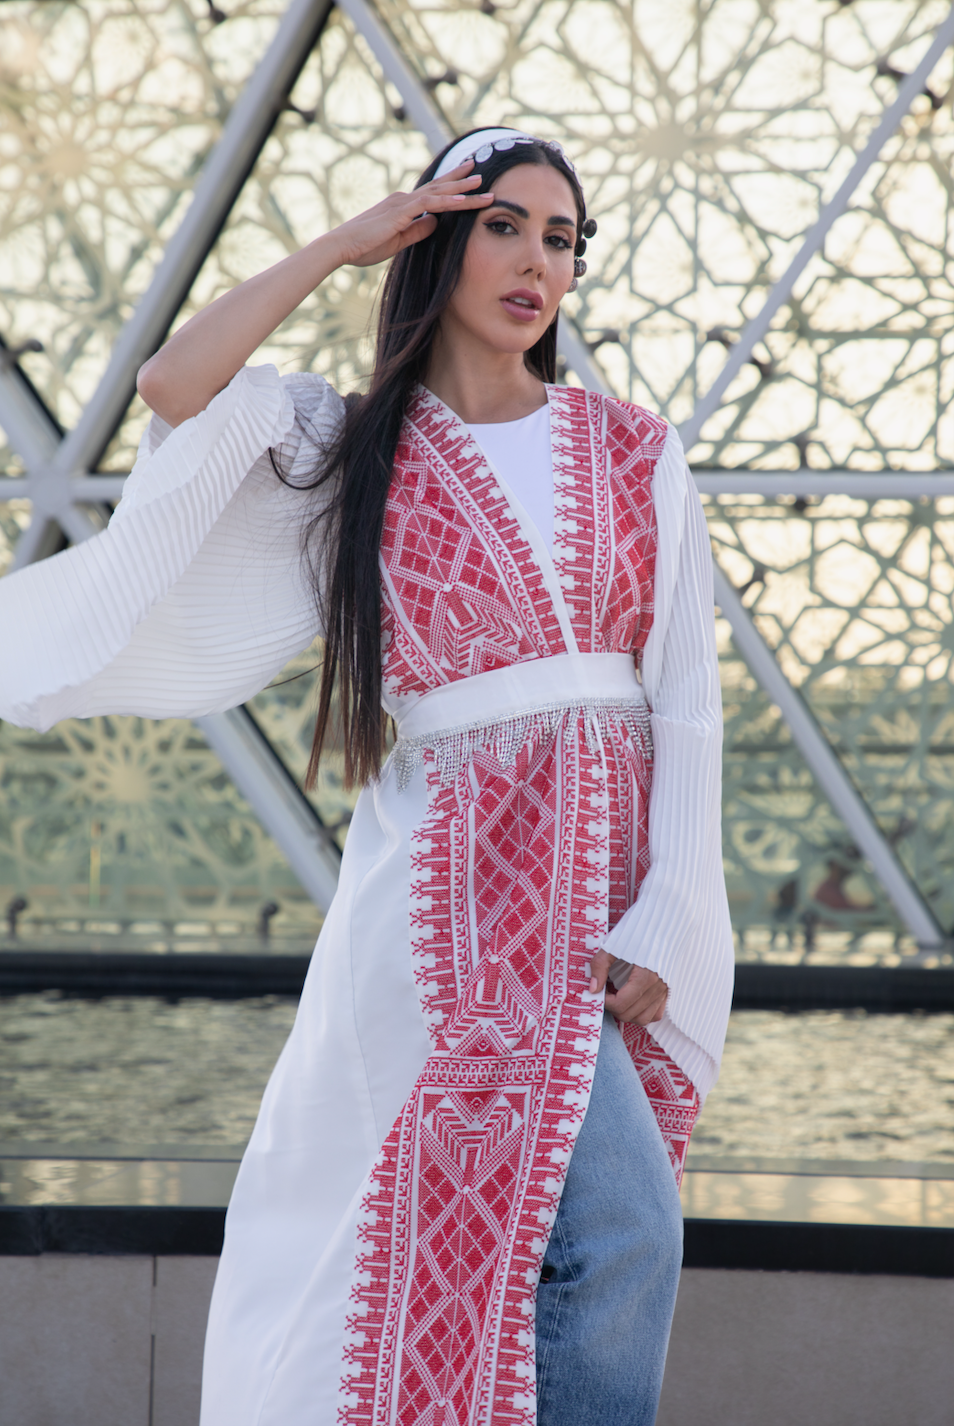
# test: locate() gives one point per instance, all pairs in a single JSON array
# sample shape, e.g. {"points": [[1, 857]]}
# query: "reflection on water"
{"points": [[826, 1084], [133, 1072], [820, 1198]]}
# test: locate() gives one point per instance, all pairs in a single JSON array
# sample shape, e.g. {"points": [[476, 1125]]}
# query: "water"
{"points": [[834, 1084], [133, 1070], [130, 1071]]}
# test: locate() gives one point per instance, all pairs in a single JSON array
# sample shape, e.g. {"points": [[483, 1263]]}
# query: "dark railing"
{"points": [[890, 989], [709, 1242]]}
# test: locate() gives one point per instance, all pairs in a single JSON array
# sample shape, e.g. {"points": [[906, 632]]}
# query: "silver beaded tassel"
{"points": [[453, 748]]}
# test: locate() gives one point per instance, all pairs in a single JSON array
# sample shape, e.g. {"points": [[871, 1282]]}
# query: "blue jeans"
{"points": [[608, 1286]]}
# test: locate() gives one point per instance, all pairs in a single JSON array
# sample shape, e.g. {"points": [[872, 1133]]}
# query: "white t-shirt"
{"points": [[520, 452]]}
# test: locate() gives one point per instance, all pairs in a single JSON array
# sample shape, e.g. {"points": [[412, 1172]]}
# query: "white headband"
{"points": [[481, 145]]}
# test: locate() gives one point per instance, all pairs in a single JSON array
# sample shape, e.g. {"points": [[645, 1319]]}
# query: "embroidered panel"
{"points": [[634, 442], [673, 1097], [604, 454], [517, 870], [473, 1170], [463, 591]]}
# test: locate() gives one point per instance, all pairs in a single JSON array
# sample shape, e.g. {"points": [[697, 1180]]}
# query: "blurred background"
{"points": [[162, 882]]}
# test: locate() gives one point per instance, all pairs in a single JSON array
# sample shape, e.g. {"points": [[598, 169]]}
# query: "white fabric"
{"points": [[194, 598], [563, 679], [468, 146], [190, 602], [679, 924], [530, 529], [520, 451]]}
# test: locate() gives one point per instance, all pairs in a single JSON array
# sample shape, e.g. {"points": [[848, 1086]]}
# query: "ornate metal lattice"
{"points": [[335, 149], [854, 596], [109, 110], [707, 137], [127, 831]]}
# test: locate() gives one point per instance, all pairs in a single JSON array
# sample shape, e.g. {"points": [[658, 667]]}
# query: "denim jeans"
{"points": [[608, 1287]]}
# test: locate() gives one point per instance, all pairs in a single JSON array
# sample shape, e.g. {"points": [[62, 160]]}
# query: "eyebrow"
{"points": [[556, 221]]}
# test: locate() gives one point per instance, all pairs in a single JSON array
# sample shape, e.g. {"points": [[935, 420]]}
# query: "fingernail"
{"points": [[593, 984]]}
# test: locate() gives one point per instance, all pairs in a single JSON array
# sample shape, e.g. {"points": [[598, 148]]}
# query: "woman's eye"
{"points": [[501, 225], [557, 240]]}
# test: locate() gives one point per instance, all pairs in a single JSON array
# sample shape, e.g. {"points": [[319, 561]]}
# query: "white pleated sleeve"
{"points": [[194, 596], [679, 925]]}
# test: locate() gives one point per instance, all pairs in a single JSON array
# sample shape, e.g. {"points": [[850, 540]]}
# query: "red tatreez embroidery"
{"points": [[672, 1095], [516, 874]]}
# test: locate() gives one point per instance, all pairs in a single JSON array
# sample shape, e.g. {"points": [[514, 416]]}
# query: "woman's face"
{"points": [[519, 261]]}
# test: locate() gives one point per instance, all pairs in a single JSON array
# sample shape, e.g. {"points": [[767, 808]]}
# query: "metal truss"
{"points": [[67, 498], [898, 485], [742, 350], [809, 737]]}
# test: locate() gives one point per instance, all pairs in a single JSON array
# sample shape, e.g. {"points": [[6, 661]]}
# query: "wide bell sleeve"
{"points": [[194, 596], [679, 924]]}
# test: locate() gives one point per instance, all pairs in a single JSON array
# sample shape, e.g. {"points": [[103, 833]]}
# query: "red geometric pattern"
{"points": [[604, 454], [461, 585], [673, 1097], [517, 873]]}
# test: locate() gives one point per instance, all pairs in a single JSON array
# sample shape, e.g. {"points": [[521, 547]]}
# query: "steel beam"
{"points": [[878, 485], [222, 177], [82, 488], [418, 104], [579, 358], [282, 808], [41, 537], [908, 91], [826, 766], [28, 426]]}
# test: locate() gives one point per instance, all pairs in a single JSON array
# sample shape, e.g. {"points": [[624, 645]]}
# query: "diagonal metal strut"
{"points": [[56, 479], [814, 746], [57, 482], [741, 350]]}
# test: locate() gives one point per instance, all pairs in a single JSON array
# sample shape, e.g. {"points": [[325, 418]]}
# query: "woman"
{"points": [[459, 1204]]}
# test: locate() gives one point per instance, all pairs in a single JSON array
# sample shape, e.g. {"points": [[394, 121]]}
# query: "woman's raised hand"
{"points": [[204, 355], [405, 218]]}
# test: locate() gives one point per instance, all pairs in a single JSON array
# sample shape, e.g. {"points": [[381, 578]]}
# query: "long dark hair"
{"points": [[342, 543]]}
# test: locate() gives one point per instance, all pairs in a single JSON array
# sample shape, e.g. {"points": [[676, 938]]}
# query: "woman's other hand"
{"points": [[641, 1001], [405, 218]]}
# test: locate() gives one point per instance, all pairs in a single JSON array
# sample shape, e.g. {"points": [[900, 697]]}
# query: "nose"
{"points": [[534, 256]]}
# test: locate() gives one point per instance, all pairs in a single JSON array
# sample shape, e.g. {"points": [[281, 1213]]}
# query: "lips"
{"points": [[522, 304]]}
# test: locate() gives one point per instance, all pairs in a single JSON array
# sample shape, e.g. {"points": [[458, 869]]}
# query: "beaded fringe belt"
{"points": [[504, 736]]}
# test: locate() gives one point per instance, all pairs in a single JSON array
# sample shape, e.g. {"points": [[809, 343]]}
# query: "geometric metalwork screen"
{"points": [[708, 139], [854, 596], [127, 832]]}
